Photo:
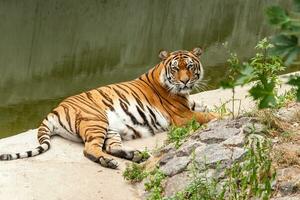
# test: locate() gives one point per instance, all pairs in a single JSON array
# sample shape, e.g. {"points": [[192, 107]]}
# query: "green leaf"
{"points": [[287, 47], [297, 5], [246, 75], [264, 92], [295, 81], [278, 16]]}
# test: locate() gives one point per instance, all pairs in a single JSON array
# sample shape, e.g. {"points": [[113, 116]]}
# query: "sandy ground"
{"points": [[64, 173]]}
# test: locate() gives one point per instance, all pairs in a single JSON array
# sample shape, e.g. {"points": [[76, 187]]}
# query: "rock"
{"points": [[294, 197], [218, 135], [289, 113], [254, 128], [175, 165], [166, 157], [288, 180], [188, 147], [235, 141], [214, 154], [177, 183]]}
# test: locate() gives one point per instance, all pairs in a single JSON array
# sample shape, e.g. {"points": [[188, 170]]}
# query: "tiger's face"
{"points": [[182, 70]]}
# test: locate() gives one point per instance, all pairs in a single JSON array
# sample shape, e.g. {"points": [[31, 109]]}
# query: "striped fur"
{"points": [[105, 116]]}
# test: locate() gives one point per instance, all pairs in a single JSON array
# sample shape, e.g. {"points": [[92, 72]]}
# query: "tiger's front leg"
{"points": [[114, 146]]}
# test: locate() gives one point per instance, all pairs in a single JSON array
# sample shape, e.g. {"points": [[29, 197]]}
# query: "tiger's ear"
{"points": [[197, 51], [163, 55]]}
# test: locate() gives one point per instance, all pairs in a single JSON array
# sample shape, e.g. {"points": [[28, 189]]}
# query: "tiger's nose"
{"points": [[184, 80]]}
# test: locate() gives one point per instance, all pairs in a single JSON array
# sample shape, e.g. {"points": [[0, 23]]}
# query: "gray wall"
{"points": [[52, 49]]}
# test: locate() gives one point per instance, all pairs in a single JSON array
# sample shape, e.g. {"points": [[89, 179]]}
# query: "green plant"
{"points": [[154, 184], [263, 68], [252, 177], [178, 134], [285, 98], [145, 154], [221, 110], [239, 74], [134, 173], [286, 42]]}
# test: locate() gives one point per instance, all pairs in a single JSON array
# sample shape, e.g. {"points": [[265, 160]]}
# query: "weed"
{"points": [[221, 110], [286, 98], [134, 173], [154, 184], [178, 134], [254, 176], [145, 154]]}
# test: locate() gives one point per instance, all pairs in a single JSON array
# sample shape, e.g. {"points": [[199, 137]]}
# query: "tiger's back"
{"points": [[105, 116]]}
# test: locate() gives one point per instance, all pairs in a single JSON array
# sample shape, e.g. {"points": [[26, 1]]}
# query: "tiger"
{"points": [[102, 118]]}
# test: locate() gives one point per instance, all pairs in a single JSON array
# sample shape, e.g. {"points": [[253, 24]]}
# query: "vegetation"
{"points": [[154, 184], [251, 177], [178, 134], [286, 42], [134, 173], [263, 68]]}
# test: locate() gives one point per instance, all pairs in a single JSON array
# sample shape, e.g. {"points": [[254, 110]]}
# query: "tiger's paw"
{"points": [[139, 156], [108, 162]]}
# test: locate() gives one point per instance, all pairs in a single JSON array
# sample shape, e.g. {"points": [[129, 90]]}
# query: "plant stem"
{"points": [[233, 96]]}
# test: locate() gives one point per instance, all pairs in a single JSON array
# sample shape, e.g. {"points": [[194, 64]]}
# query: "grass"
{"points": [[177, 134], [154, 184], [134, 173]]}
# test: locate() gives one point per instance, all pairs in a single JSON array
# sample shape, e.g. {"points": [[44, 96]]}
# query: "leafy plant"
{"points": [[154, 184], [178, 134], [286, 42], [262, 68], [266, 69], [134, 173], [254, 176], [145, 154]]}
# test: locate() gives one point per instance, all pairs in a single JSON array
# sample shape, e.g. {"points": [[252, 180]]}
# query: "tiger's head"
{"points": [[182, 70]]}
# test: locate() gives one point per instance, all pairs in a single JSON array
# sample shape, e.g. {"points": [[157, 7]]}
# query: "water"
{"points": [[53, 49]]}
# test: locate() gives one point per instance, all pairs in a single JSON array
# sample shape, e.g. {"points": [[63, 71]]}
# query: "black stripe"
{"points": [[125, 109], [146, 123], [135, 132], [105, 96], [119, 86], [18, 155], [40, 149], [59, 121], [121, 95], [108, 105], [29, 153]]}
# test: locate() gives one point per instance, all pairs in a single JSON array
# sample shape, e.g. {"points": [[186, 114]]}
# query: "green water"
{"points": [[53, 49]]}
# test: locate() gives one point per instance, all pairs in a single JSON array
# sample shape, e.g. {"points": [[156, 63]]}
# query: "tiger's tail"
{"points": [[44, 133]]}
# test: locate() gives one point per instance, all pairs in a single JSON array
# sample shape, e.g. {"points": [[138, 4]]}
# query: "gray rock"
{"points": [[289, 113], [188, 147], [235, 141], [218, 135], [175, 165], [214, 154], [294, 197], [288, 180], [177, 183], [166, 157], [254, 128]]}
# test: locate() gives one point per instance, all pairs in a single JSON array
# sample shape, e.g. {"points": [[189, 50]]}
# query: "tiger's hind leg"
{"points": [[94, 134], [114, 146]]}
